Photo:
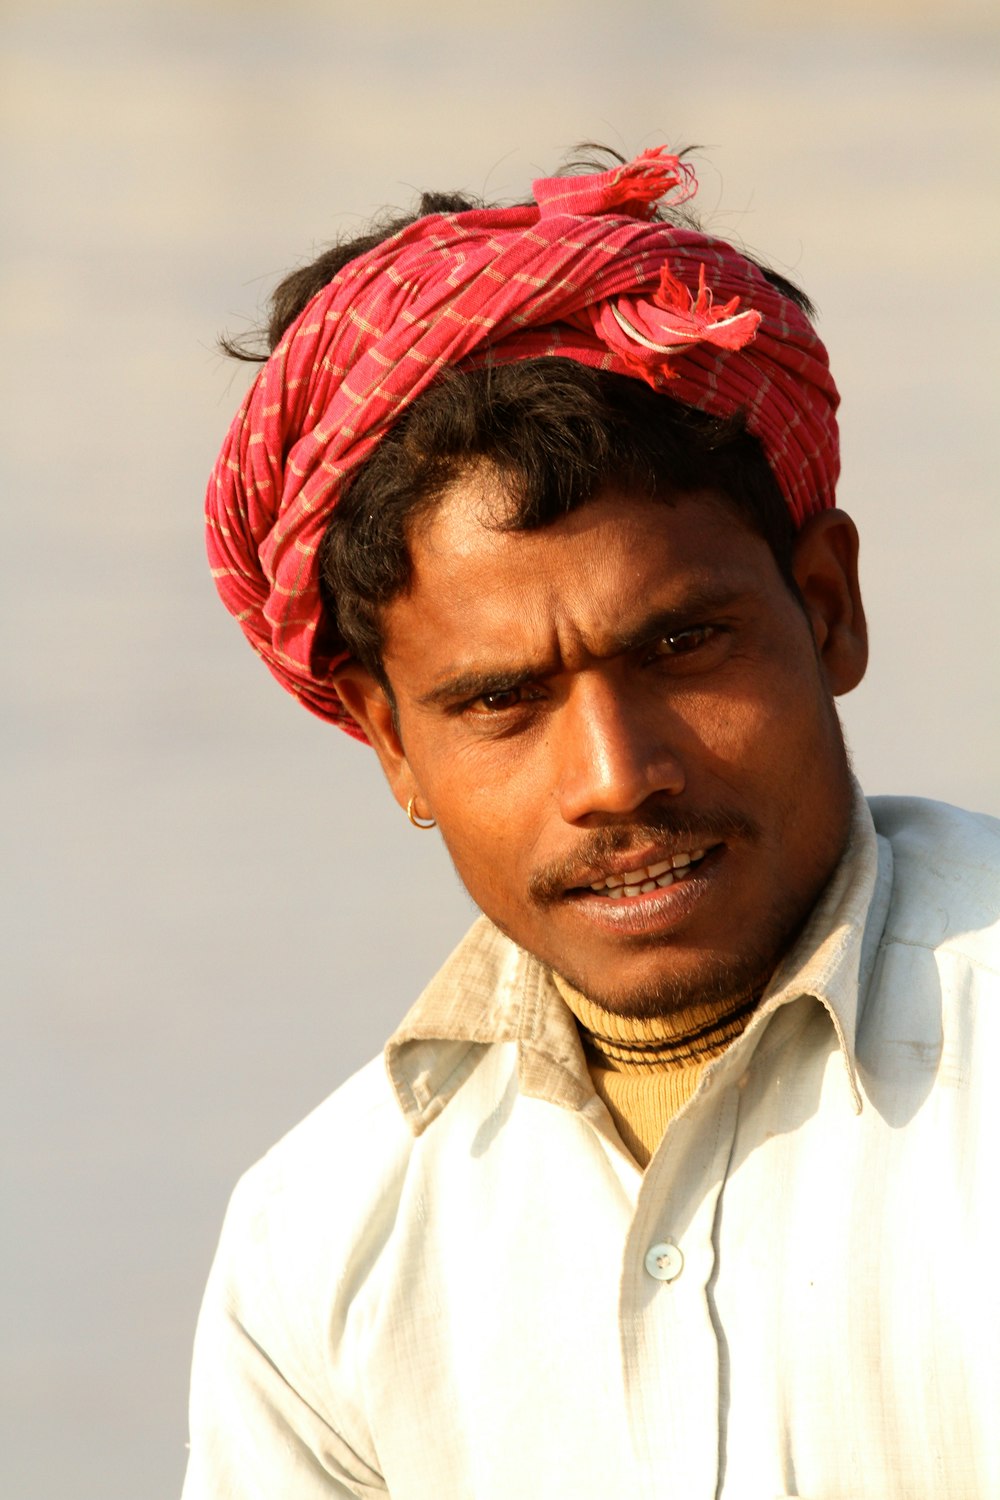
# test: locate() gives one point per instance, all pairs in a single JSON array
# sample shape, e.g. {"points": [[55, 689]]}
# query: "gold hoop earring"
{"points": [[415, 818]]}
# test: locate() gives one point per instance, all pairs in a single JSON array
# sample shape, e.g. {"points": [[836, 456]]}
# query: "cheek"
{"points": [[489, 817], [727, 730], [786, 753], [489, 859], [774, 728]]}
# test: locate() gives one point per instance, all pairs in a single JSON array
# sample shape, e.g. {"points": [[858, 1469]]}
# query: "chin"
{"points": [[709, 983]]}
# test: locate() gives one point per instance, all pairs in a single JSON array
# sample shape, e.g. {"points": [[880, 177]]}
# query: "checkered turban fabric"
{"points": [[584, 273]]}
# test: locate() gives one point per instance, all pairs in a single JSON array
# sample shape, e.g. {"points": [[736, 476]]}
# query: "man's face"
{"points": [[624, 729]]}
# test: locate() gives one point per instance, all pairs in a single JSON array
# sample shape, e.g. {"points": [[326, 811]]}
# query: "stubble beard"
{"points": [[722, 982]]}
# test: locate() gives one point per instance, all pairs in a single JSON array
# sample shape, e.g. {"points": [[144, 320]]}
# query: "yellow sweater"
{"points": [[645, 1070]]}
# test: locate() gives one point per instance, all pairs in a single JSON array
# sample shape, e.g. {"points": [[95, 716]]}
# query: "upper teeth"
{"points": [[651, 876]]}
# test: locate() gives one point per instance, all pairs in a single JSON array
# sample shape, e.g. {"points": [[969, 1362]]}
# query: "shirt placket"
{"points": [[670, 1344]]}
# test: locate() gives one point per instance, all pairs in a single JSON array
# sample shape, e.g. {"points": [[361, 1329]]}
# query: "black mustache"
{"points": [[685, 830]]}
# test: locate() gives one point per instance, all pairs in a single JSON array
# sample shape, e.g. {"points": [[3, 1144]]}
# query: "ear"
{"points": [[825, 566], [366, 701]]}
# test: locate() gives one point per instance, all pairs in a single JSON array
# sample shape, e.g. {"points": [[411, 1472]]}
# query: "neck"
{"points": [[645, 1069], [692, 1034]]}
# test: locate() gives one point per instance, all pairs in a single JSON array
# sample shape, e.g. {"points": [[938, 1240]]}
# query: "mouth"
{"points": [[629, 885]]}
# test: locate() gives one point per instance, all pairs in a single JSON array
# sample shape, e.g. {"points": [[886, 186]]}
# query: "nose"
{"points": [[611, 753]]}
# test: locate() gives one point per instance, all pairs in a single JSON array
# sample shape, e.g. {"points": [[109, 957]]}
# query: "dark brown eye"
{"points": [[505, 698], [683, 641]]}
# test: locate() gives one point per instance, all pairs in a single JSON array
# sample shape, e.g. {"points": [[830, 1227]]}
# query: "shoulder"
{"points": [[330, 1189], [309, 1215], [280, 1351], [916, 825], [946, 876]]}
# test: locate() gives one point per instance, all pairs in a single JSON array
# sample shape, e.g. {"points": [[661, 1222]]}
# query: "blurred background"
{"points": [[215, 911]]}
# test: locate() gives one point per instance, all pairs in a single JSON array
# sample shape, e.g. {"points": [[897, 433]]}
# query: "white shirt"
{"points": [[452, 1282]]}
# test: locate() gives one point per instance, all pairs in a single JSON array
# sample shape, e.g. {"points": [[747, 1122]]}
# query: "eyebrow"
{"points": [[479, 682]]}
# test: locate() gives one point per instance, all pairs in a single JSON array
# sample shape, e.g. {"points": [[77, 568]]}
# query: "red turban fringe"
{"points": [[582, 273]]}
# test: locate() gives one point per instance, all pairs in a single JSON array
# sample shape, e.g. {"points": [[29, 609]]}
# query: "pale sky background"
{"points": [[215, 911]]}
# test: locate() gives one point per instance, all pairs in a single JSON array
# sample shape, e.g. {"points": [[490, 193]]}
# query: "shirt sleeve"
{"points": [[262, 1418]]}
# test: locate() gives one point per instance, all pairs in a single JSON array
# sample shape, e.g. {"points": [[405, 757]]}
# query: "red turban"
{"points": [[582, 272]]}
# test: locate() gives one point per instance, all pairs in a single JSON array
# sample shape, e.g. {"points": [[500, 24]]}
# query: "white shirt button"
{"points": [[664, 1262]]}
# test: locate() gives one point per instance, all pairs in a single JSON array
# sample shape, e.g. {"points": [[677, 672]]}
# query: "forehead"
{"points": [[476, 587]]}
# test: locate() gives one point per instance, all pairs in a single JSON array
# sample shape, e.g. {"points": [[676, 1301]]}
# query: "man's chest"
{"points": [[793, 1300]]}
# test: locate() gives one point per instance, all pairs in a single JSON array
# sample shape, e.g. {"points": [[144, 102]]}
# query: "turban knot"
{"points": [[584, 272]]}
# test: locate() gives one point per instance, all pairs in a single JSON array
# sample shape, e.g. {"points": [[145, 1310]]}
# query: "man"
{"points": [[675, 1181]]}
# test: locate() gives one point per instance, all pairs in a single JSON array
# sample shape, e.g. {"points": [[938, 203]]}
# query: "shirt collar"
{"points": [[490, 991]]}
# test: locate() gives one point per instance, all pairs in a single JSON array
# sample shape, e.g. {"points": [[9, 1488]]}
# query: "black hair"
{"points": [[552, 432]]}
